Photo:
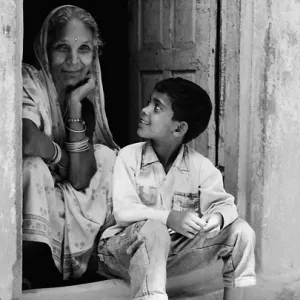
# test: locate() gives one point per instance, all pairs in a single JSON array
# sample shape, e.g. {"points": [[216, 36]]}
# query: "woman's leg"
{"points": [[38, 266], [39, 202], [139, 254]]}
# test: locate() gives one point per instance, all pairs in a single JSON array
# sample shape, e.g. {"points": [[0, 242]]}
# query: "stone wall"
{"points": [[10, 147], [275, 135]]}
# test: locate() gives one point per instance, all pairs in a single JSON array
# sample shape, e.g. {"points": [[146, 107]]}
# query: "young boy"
{"points": [[172, 213]]}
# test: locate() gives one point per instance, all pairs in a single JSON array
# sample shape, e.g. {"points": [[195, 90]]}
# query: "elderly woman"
{"points": [[68, 150]]}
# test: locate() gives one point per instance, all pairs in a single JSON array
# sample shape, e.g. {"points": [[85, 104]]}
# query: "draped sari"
{"points": [[67, 220]]}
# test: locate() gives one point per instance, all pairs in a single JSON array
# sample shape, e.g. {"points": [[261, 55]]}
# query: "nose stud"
{"points": [[76, 39]]}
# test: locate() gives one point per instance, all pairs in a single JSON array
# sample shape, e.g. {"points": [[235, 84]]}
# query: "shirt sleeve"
{"points": [[127, 205], [213, 197], [30, 110]]}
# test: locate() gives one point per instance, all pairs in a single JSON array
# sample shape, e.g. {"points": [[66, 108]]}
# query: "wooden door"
{"points": [[170, 38]]}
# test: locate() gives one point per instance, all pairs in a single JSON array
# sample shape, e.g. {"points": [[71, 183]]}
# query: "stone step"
{"points": [[204, 284]]}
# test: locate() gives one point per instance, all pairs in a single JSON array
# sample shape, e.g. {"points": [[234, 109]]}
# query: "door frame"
{"points": [[235, 90], [236, 50]]}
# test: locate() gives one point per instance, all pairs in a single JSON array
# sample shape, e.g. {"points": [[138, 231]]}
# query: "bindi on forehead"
{"points": [[75, 31]]}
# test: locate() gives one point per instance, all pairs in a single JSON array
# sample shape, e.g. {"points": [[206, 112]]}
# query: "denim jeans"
{"points": [[145, 254]]}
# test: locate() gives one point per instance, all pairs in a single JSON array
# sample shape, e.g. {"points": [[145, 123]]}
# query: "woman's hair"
{"points": [[67, 13], [190, 103]]}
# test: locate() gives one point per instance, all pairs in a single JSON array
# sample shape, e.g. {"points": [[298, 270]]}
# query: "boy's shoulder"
{"points": [[194, 154], [131, 150], [198, 159]]}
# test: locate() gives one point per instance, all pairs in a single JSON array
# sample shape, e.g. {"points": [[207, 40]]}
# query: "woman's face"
{"points": [[71, 54]]}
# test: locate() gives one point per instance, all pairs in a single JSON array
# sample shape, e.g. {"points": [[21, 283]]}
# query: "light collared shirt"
{"points": [[142, 190]]}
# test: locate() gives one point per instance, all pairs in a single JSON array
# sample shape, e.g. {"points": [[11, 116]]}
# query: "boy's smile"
{"points": [[156, 120]]}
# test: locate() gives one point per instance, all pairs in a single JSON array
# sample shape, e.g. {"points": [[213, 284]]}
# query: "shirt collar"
{"points": [[149, 157]]}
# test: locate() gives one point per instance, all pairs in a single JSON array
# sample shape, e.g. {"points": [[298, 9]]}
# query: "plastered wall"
{"points": [[274, 156], [10, 146]]}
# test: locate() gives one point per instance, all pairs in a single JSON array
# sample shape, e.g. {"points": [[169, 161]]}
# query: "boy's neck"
{"points": [[166, 152]]}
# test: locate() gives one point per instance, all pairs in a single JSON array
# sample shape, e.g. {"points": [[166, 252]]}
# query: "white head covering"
{"points": [[102, 132]]}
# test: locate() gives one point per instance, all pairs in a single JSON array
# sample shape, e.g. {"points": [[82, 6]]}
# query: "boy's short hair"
{"points": [[190, 103]]}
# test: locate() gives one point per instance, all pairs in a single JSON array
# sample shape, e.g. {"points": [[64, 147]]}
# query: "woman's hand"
{"points": [[77, 95], [83, 90]]}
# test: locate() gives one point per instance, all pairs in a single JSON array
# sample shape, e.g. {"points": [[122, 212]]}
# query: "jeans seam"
{"points": [[202, 248], [143, 238]]}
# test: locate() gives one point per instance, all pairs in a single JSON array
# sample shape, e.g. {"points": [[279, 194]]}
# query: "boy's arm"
{"points": [[213, 197], [127, 205]]}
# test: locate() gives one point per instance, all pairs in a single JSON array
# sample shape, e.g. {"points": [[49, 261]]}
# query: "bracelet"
{"points": [[62, 166], [57, 154], [71, 120], [80, 146], [77, 131], [82, 149]]}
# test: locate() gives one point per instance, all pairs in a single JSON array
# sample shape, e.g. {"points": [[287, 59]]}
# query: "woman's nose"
{"points": [[73, 57]]}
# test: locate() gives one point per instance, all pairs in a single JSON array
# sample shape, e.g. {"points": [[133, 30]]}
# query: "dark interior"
{"points": [[112, 21]]}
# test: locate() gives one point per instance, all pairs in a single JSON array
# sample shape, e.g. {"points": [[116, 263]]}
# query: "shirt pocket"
{"points": [[186, 202], [148, 195]]}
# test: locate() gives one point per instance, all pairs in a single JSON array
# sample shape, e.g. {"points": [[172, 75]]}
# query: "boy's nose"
{"points": [[145, 110], [143, 113]]}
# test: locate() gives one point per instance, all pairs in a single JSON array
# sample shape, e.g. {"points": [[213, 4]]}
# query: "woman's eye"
{"points": [[84, 48], [61, 47]]}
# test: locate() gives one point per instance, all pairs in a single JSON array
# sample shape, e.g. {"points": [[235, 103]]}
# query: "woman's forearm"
{"points": [[82, 165], [37, 143]]}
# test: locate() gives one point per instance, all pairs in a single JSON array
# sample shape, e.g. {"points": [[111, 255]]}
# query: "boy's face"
{"points": [[156, 119]]}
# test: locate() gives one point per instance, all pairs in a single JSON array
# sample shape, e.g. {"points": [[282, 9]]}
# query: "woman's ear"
{"points": [[181, 129]]}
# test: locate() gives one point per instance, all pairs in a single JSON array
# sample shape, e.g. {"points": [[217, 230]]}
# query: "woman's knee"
{"points": [[34, 168], [105, 157], [33, 163]]}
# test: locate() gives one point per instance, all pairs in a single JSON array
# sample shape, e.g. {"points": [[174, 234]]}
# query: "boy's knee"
{"points": [[244, 231], [156, 232]]}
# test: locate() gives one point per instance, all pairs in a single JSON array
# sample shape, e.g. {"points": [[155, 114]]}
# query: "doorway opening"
{"points": [[112, 23]]}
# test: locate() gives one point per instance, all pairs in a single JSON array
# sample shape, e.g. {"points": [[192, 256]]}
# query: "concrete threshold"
{"points": [[185, 287]]}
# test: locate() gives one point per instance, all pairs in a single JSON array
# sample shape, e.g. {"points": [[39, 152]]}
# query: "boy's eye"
{"points": [[157, 107]]}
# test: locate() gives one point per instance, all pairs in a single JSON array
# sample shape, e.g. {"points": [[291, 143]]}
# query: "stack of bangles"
{"points": [[80, 146], [57, 156]]}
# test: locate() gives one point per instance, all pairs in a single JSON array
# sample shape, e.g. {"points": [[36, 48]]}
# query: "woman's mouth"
{"points": [[71, 72]]}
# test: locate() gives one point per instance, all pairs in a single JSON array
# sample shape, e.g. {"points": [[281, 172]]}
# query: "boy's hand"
{"points": [[185, 222], [213, 224]]}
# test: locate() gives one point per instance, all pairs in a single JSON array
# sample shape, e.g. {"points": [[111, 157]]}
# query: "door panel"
{"points": [[169, 38]]}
